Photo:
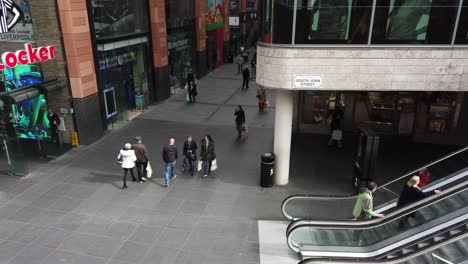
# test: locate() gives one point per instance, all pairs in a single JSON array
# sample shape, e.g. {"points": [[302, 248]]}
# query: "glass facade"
{"points": [[180, 20], [365, 21], [119, 18]]}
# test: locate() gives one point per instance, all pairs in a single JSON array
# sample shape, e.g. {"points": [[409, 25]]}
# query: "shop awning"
{"points": [[25, 94], [53, 85]]}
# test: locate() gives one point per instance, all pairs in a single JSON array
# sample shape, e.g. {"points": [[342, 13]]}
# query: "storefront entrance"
{"points": [[412, 114], [214, 48]]}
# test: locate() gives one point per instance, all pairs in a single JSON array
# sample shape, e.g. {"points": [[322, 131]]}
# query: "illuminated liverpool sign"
{"points": [[29, 55]]}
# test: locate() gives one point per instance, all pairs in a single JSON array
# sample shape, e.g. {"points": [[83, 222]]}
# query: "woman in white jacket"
{"points": [[127, 158]]}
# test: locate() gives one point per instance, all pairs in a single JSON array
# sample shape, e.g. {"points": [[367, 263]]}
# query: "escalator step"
{"points": [[451, 252]]}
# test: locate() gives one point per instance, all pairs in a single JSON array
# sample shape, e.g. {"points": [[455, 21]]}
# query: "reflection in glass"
{"points": [[414, 21], [462, 31], [333, 21], [119, 18], [282, 21]]}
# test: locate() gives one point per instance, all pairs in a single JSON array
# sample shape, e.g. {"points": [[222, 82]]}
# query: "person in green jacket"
{"points": [[363, 210]]}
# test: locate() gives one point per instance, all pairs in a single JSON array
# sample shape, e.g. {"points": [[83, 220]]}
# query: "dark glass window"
{"points": [[333, 21], [265, 18], [282, 21], [462, 31], [414, 21], [119, 18], [180, 13]]}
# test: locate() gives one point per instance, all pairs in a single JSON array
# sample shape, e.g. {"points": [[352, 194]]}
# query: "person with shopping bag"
{"points": [[126, 159], [240, 121], [207, 155], [335, 128], [141, 163], [190, 154]]}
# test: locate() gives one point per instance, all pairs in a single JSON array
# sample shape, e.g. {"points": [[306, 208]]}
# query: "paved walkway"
{"points": [[72, 209]]}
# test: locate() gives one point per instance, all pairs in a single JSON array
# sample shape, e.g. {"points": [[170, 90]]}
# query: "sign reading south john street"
{"points": [[307, 81]]}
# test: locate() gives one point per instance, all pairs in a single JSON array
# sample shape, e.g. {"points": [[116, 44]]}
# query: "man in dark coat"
{"points": [[207, 154], [54, 122], [170, 155], [141, 153], [245, 77], [190, 153], [240, 120]]}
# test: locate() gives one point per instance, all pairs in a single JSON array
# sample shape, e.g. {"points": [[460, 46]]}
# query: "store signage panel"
{"points": [[15, 21], [305, 81], [214, 14], [29, 55], [234, 21]]}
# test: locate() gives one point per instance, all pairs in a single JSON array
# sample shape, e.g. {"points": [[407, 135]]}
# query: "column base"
{"points": [[201, 64], [88, 119]]}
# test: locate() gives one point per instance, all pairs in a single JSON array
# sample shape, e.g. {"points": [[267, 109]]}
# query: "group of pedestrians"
{"points": [[136, 155]]}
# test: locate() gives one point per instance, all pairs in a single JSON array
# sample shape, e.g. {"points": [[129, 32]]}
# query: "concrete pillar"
{"points": [[283, 131]]}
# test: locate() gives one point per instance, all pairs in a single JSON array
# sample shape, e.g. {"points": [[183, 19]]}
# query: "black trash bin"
{"points": [[267, 170]]}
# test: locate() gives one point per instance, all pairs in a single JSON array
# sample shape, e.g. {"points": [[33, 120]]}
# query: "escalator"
{"points": [[445, 173], [437, 224]]}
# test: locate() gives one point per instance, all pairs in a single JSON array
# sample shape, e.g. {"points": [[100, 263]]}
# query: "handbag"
{"points": [[200, 164], [187, 99], [244, 128], [119, 159], [214, 165], [149, 170], [337, 134]]}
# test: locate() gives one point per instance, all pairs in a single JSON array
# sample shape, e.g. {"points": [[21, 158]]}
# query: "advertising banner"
{"points": [[15, 21], [214, 14]]}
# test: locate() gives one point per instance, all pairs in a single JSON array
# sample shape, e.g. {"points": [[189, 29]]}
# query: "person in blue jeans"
{"points": [[207, 154], [170, 155]]}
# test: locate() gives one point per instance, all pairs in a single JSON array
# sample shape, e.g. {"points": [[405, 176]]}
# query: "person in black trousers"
{"points": [[190, 153], [245, 77], [411, 194], [54, 122], [240, 120]]}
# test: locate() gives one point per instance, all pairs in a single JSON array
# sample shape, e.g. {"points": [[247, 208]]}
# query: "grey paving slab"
{"points": [[9, 249], [95, 225], [61, 257], [78, 243], [172, 238], [31, 255], [119, 230], [104, 247], [27, 234], [72, 221], [51, 238], [184, 221], [188, 257], [192, 207], [91, 260], [165, 255], [146, 234], [132, 252]]}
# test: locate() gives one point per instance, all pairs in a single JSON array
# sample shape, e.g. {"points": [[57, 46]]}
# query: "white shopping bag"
{"points": [[214, 165], [200, 164]]}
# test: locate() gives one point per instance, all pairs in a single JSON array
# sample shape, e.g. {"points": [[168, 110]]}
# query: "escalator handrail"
{"points": [[398, 260], [338, 197], [340, 224]]}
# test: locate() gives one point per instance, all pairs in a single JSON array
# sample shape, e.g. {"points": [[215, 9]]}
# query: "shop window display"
{"points": [[20, 76], [319, 106], [30, 118], [180, 43], [441, 107]]}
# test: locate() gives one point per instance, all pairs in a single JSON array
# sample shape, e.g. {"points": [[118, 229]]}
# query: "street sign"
{"points": [[305, 81]]}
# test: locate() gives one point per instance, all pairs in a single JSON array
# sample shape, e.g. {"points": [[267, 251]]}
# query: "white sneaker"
{"points": [[173, 177], [204, 176]]}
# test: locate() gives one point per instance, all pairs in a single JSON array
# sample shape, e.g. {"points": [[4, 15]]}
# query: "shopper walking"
{"points": [[245, 77], [261, 98], [170, 155], [207, 154], [335, 128], [364, 208], [141, 153], [190, 153], [410, 194], [240, 120], [192, 91], [54, 122], [127, 158]]}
